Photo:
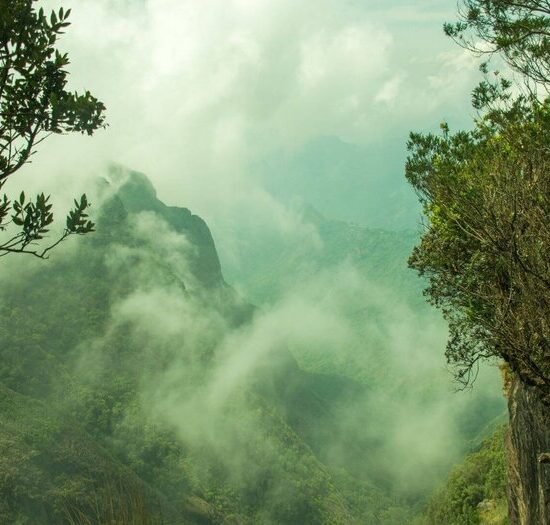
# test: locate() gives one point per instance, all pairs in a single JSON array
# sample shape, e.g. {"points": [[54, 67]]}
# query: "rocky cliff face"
{"points": [[528, 447]]}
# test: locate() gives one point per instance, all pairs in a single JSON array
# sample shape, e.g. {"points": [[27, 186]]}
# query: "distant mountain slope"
{"points": [[362, 184], [380, 255], [362, 275]]}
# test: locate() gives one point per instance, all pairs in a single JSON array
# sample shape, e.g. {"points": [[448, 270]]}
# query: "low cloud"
{"points": [[197, 370]]}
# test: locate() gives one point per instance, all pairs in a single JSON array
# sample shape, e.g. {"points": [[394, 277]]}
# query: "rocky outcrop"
{"points": [[528, 448], [138, 195]]}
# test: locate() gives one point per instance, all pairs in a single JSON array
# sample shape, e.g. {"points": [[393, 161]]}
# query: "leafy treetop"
{"points": [[34, 103], [519, 30]]}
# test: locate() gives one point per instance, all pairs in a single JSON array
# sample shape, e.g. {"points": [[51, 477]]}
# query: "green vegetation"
{"points": [[485, 251], [475, 492], [34, 104], [486, 195]]}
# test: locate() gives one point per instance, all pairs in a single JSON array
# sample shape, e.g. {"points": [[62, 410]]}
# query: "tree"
{"points": [[34, 103], [486, 197], [519, 30], [486, 248]]}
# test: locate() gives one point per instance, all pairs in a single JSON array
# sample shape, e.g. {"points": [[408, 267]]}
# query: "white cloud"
{"points": [[389, 90]]}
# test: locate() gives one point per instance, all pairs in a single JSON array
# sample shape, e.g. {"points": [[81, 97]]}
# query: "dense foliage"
{"points": [[475, 492], [486, 250]]}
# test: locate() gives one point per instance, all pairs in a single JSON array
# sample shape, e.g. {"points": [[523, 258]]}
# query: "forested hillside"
{"points": [[113, 403]]}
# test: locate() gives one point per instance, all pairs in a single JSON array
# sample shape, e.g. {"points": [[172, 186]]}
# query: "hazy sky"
{"points": [[237, 108]]}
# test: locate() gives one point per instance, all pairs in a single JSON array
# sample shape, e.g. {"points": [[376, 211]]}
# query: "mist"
{"points": [[411, 407]]}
